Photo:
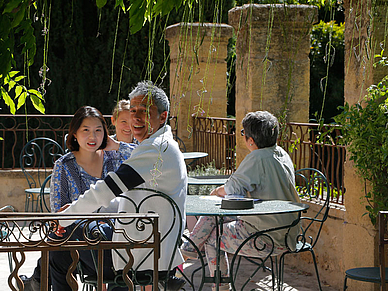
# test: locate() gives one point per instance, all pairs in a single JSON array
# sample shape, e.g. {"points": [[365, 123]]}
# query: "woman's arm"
{"points": [[58, 191]]}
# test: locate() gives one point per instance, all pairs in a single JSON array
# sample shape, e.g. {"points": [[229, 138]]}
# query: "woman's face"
{"points": [[123, 129], [90, 134]]}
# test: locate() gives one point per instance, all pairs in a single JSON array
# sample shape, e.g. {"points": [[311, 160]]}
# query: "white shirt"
{"points": [[267, 174], [160, 163]]}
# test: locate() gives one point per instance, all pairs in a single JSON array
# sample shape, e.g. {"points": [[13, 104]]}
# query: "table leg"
{"points": [[219, 230]]}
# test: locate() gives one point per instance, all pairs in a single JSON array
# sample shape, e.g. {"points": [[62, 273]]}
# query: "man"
{"points": [[157, 163]]}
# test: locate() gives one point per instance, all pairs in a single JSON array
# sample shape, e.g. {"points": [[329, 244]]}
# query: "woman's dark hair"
{"points": [[79, 116], [262, 127]]}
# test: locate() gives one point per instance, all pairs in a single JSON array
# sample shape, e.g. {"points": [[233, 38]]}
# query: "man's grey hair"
{"points": [[159, 97], [262, 127]]}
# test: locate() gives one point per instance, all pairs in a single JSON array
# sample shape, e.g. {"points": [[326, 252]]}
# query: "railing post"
{"points": [[44, 270], [272, 61]]}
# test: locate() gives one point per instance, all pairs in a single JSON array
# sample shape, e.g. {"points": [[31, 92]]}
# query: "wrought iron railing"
{"points": [[216, 136], [38, 235], [16, 130]]}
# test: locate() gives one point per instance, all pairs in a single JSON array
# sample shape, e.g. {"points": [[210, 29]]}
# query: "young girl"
{"points": [[92, 155]]}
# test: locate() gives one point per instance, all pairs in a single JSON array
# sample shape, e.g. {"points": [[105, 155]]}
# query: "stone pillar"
{"points": [[273, 66], [364, 37], [198, 73]]}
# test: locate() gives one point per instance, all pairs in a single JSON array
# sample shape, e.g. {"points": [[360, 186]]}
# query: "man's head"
{"points": [[262, 127], [149, 109]]}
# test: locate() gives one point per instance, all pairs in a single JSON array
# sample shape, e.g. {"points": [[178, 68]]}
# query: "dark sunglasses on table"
{"points": [[242, 132]]}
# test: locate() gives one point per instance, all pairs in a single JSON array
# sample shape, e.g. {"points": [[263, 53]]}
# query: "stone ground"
{"points": [[293, 281]]}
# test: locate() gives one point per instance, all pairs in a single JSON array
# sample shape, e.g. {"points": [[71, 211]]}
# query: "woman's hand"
{"points": [[61, 230], [219, 191], [112, 145]]}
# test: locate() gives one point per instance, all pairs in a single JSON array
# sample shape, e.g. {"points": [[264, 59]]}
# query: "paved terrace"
{"points": [[294, 280]]}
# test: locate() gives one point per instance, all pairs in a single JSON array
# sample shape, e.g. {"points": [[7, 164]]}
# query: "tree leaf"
{"points": [[8, 100], [11, 84], [17, 79], [12, 5], [18, 91], [13, 73], [19, 16], [137, 16], [36, 93], [121, 4], [37, 102], [101, 3], [22, 99]]}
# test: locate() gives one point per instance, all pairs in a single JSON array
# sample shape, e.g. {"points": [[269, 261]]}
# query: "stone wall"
{"points": [[13, 183], [328, 250], [364, 37]]}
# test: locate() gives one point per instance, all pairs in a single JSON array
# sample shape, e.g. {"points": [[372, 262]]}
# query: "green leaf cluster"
{"points": [[141, 11], [365, 132], [16, 31], [11, 84]]}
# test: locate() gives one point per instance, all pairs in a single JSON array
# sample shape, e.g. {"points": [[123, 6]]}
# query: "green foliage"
{"points": [[365, 132], [204, 170], [326, 70], [90, 56], [141, 11], [21, 93], [16, 31]]}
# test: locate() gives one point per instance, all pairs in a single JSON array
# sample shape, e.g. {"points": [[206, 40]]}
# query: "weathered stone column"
{"points": [[364, 37], [273, 66], [198, 70]]}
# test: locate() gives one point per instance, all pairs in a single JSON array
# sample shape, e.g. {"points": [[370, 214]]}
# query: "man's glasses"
{"points": [[242, 132]]}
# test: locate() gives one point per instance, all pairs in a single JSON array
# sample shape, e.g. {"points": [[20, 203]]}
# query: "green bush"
{"points": [[204, 170], [365, 132]]}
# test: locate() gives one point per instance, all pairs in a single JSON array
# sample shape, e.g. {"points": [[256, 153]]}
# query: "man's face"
{"points": [[145, 119]]}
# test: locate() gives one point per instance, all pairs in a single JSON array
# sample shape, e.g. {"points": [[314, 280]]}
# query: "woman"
{"points": [[92, 155], [120, 120], [267, 172]]}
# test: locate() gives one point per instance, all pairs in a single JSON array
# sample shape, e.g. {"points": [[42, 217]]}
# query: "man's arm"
{"points": [[104, 191]]}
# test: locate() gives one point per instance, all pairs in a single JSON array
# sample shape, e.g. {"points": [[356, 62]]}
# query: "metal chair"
{"points": [[181, 144], [373, 274], [43, 195], [174, 223], [39, 155], [4, 233], [310, 184]]}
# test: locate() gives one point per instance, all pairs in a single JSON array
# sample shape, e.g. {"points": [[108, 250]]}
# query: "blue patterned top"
{"points": [[69, 180]]}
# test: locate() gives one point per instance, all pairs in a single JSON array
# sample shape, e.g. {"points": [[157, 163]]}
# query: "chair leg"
{"points": [[345, 285], [273, 272], [316, 269], [281, 272]]}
